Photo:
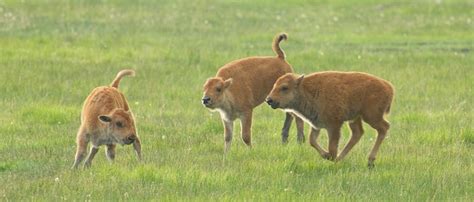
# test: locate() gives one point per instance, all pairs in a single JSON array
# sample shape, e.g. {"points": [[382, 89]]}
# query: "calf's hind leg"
{"points": [[357, 132], [382, 127], [334, 133]]}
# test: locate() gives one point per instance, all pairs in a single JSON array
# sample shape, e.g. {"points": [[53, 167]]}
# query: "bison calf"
{"points": [[106, 120], [241, 85], [328, 99]]}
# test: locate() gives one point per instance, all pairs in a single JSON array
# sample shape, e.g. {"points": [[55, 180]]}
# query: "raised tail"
{"points": [[125, 72], [276, 44]]}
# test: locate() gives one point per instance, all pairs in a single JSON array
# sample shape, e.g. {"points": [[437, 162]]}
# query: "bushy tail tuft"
{"points": [[125, 72], [276, 44]]}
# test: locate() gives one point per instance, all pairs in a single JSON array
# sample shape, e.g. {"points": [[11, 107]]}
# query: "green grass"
{"points": [[53, 53]]}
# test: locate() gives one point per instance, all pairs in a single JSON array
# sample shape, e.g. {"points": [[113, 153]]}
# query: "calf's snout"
{"points": [[130, 139], [206, 100], [271, 102]]}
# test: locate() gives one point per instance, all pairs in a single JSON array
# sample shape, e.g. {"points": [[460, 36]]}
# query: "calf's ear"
{"points": [[299, 80], [105, 118], [228, 82], [207, 81]]}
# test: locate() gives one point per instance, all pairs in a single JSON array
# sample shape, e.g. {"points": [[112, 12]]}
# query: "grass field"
{"points": [[53, 53]]}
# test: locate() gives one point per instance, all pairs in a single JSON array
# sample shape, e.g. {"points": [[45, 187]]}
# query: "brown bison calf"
{"points": [[106, 120], [241, 85], [327, 99]]}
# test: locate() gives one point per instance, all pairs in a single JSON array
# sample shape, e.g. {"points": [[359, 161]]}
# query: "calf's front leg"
{"points": [[110, 152], [137, 146], [313, 140], [91, 156], [81, 142], [228, 129], [299, 129], [246, 130]]}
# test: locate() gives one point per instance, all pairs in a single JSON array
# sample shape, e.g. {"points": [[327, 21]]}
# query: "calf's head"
{"points": [[285, 91], [121, 125], [214, 90]]}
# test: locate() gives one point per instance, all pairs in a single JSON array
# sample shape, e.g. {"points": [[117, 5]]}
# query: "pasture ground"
{"points": [[53, 53]]}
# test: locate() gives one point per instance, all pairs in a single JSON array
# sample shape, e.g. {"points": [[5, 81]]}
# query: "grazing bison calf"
{"points": [[106, 120], [241, 85], [327, 99]]}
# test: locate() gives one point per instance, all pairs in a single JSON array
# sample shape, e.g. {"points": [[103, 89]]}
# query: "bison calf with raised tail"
{"points": [[107, 120], [241, 85], [328, 99]]}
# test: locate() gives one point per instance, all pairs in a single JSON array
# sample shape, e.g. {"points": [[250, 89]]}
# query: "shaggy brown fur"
{"points": [[106, 120], [241, 85], [328, 99]]}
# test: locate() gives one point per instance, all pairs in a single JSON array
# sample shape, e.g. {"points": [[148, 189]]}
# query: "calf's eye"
{"points": [[284, 88], [119, 124], [218, 89]]}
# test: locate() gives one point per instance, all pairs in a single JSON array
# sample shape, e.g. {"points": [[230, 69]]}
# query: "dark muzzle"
{"points": [[206, 100], [130, 139], [272, 103]]}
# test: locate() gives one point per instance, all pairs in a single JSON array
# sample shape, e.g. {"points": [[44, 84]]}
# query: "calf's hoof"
{"points": [[87, 165], [371, 165], [326, 156], [301, 140]]}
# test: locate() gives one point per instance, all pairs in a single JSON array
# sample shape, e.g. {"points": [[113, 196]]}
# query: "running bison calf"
{"points": [[327, 99], [241, 85], [106, 120]]}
